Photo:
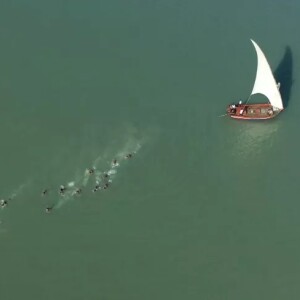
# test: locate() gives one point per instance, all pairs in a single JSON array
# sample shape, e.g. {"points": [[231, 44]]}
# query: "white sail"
{"points": [[265, 82]]}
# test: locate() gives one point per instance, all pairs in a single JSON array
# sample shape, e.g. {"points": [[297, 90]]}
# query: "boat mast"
{"points": [[248, 100]]}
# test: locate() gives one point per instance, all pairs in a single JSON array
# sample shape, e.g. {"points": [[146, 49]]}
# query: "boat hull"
{"points": [[252, 112]]}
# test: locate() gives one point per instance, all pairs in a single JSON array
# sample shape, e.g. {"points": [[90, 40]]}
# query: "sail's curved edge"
{"points": [[265, 82]]}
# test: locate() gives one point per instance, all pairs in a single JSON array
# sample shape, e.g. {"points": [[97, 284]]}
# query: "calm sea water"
{"points": [[207, 208]]}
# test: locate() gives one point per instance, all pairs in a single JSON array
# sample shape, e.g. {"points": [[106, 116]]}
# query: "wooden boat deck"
{"points": [[252, 112]]}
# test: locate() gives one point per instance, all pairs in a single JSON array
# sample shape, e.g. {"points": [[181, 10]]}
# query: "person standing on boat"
{"points": [[232, 109], [236, 105]]}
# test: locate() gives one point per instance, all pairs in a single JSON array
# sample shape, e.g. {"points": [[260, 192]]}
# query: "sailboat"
{"points": [[264, 84]]}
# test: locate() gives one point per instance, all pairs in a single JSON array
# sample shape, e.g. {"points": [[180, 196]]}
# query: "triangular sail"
{"points": [[264, 82]]}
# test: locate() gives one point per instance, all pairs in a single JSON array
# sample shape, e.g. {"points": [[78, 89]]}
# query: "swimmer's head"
{"points": [[49, 209]]}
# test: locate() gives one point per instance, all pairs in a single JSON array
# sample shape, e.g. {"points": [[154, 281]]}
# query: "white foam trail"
{"points": [[71, 184], [98, 177], [112, 172], [132, 146], [86, 177], [18, 190], [115, 165], [97, 160], [66, 197]]}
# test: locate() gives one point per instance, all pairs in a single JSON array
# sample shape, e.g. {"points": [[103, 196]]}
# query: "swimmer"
{"points": [[3, 203], [78, 191], [96, 188], [91, 171], [62, 189], [105, 175], [106, 185], [128, 156], [49, 209], [114, 163], [44, 192]]}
